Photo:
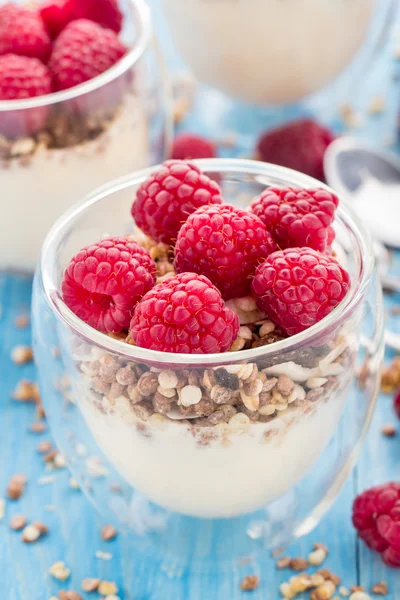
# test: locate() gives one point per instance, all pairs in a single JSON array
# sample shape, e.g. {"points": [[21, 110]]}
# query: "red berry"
{"points": [[396, 403], [226, 244], [189, 145], [376, 516], [298, 287], [172, 193], [184, 314], [297, 217], [83, 51], [57, 14], [22, 32], [22, 78], [103, 282], [299, 145]]}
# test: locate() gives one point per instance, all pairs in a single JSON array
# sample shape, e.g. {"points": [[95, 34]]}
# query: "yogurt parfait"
{"points": [[204, 319], [78, 106]]}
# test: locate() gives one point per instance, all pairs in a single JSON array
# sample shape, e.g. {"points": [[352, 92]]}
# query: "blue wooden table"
{"points": [[74, 528]]}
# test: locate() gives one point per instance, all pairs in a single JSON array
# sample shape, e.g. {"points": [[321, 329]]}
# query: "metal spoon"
{"points": [[347, 162]]}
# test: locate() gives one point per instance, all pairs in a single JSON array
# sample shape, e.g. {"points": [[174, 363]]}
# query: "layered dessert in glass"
{"points": [[210, 350], [82, 101], [272, 52]]}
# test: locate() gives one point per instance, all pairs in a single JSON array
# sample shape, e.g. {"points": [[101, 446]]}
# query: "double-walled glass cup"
{"points": [[57, 148], [209, 457]]}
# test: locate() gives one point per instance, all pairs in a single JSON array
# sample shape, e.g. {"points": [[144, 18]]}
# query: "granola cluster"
{"points": [[236, 394]]}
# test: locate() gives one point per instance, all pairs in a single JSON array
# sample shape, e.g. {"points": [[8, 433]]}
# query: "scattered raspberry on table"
{"points": [[376, 516], [298, 145]]}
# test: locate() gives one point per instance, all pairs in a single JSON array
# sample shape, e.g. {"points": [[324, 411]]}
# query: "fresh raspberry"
{"points": [[22, 32], [298, 287], [21, 78], [57, 14], [103, 282], [83, 51], [226, 244], [376, 516], [299, 145], [396, 403], [172, 193], [184, 314], [297, 217], [189, 145]]}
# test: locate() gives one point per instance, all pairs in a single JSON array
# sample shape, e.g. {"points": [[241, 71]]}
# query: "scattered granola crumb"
{"points": [[349, 116], [38, 427], [356, 588], [298, 564], [74, 484], [108, 533], [389, 431], [107, 588], [329, 576], [376, 105], [283, 563], [381, 588], [324, 591], [20, 355], [228, 140], [26, 391], [317, 557], [250, 583], [30, 534], [44, 447], [112, 597], [59, 571], [59, 461], [44, 530], [103, 555], [360, 596], [50, 456], [395, 309], [277, 552], [16, 487], [22, 321], [90, 584], [18, 522], [46, 479], [343, 591], [391, 377], [2, 508], [69, 595]]}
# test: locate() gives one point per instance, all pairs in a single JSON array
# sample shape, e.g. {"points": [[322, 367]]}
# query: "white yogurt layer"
{"points": [[245, 468], [34, 196], [268, 51]]}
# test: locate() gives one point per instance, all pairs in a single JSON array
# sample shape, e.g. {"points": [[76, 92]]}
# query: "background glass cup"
{"points": [[56, 148], [207, 493]]}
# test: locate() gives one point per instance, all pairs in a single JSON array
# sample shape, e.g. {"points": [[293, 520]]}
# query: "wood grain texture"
{"points": [[75, 528]]}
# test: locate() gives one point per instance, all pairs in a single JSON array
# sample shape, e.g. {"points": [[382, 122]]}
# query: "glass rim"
{"points": [[122, 66], [253, 168]]}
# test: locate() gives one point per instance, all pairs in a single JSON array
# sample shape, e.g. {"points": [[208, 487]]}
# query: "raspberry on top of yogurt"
{"points": [[221, 253]]}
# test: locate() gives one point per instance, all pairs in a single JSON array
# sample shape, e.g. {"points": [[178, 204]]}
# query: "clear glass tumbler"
{"points": [[82, 138], [212, 481]]}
